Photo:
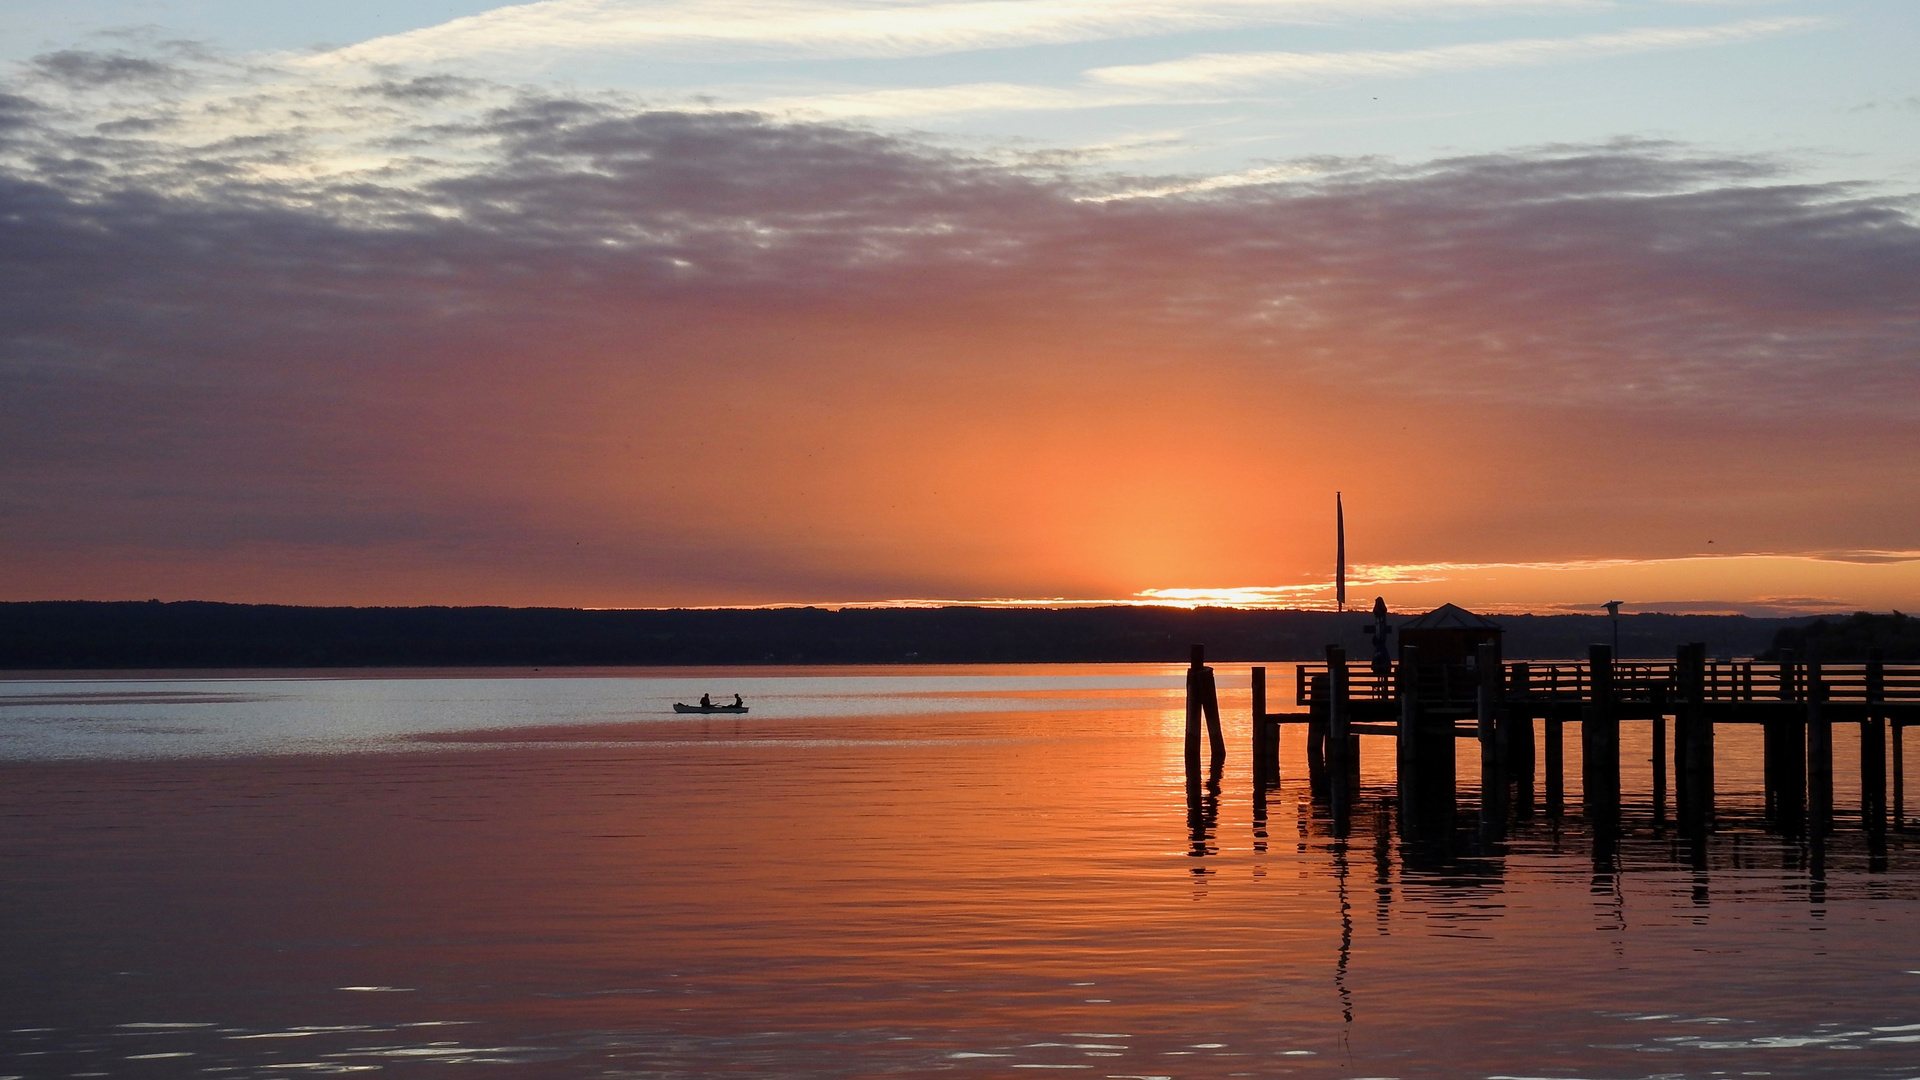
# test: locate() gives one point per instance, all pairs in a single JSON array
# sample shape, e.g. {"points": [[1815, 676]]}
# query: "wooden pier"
{"points": [[1425, 707]]}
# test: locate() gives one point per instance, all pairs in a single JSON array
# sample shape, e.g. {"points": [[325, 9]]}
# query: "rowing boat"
{"points": [[679, 707]]}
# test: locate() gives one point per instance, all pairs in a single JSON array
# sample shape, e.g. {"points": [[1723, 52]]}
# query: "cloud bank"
{"points": [[1250, 70], [265, 336], [839, 29]]}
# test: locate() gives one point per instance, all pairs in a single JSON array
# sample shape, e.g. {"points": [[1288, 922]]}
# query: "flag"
{"points": [[1339, 553]]}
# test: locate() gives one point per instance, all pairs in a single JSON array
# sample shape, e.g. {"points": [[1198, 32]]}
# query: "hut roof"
{"points": [[1451, 617]]}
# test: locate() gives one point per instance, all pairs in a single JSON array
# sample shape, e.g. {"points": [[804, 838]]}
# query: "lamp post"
{"points": [[1613, 612]]}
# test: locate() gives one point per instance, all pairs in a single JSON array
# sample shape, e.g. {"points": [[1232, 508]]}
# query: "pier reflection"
{"points": [[1203, 813], [1456, 857], [1463, 881]]}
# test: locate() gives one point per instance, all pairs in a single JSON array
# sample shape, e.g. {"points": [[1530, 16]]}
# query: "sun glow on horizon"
{"points": [[1721, 584]]}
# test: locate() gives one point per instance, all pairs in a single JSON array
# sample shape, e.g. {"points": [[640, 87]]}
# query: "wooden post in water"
{"points": [[1203, 700], [1819, 756], [1555, 762], [1194, 710], [1789, 748], [1899, 775], [1265, 748], [1769, 758], [1520, 754], [1873, 748], [1681, 792], [1696, 759], [1488, 710], [1661, 702], [1600, 742], [1318, 692], [1210, 704], [1339, 746], [1407, 741], [1705, 733]]}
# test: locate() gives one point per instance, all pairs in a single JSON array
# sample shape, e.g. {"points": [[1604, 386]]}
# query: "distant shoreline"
{"points": [[149, 636]]}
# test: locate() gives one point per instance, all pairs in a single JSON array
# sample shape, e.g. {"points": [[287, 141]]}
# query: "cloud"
{"points": [[940, 101], [1635, 273], [82, 69], [378, 340], [766, 29], [1247, 71], [1221, 76], [1269, 174]]}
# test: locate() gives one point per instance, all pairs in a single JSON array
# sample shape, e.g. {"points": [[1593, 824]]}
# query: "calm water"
{"points": [[879, 872]]}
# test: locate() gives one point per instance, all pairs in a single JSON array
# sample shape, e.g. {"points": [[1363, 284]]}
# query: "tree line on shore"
{"points": [[55, 635]]}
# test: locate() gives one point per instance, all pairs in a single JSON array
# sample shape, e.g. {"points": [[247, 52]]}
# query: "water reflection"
{"points": [[1610, 848], [968, 891], [1203, 812]]}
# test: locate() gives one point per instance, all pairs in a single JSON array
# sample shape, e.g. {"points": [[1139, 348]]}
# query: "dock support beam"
{"points": [[1489, 711], [1600, 743], [1659, 765], [1786, 750], [1407, 758], [1342, 753], [1520, 754], [1203, 699], [1555, 762], [1317, 697], [1899, 775], [1873, 749], [1819, 757], [1694, 732], [1266, 737]]}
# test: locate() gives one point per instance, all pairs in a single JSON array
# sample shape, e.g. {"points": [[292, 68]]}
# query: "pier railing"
{"points": [[1724, 680]]}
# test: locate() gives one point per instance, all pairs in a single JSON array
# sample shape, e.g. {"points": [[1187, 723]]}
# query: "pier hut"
{"points": [[1450, 634], [1445, 648]]}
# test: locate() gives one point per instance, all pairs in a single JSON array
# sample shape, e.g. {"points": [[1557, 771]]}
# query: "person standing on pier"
{"points": [[1382, 660]]}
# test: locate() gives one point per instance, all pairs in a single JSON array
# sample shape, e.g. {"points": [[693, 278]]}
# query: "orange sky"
{"points": [[652, 359]]}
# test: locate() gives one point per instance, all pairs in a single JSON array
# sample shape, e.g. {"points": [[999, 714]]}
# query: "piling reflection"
{"points": [[1455, 852], [1425, 822], [1203, 813]]}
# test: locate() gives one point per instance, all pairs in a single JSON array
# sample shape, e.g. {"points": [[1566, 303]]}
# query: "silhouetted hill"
{"points": [[1847, 640], [194, 634]]}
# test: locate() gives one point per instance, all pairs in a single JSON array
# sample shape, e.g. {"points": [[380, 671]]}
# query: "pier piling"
{"points": [[1203, 701], [1265, 736], [1819, 756], [1694, 728], [1787, 752], [1520, 750], [1408, 756], [1489, 711], [1341, 750], [1317, 695], [1659, 765], [1555, 762], [1873, 749], [1899, 774], [1600, 742]]}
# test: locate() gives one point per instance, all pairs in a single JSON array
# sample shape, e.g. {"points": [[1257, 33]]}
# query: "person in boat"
{"points": [[737, 703], [706, 701]]}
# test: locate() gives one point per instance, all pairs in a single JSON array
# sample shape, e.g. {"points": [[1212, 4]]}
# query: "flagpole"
{"points": [[1340, 553]]}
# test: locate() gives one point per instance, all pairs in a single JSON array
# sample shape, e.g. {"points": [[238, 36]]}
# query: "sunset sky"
{"points": [[695, 302]]}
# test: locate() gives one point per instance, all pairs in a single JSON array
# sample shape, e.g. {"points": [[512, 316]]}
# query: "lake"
{"points": [[898, 871]]}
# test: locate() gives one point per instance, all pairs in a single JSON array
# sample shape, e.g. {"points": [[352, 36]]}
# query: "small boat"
{"points": [[682, 707]]}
